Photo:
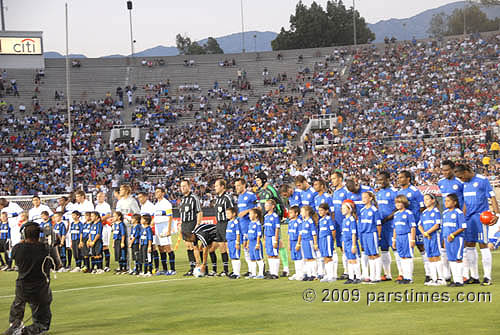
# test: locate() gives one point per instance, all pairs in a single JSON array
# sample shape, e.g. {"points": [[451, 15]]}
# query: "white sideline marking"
{"points": [[108, 286]]}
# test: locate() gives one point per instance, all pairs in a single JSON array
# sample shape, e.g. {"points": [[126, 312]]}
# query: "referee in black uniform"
{"points": [[191, 215], [206, 234], [223, 202]]}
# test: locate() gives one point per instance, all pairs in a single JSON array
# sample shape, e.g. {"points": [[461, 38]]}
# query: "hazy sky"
{"points": [[101, 27]]}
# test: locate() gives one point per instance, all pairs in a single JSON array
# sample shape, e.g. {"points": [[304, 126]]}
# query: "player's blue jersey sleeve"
{"points": [[99, 228], [461, 220], [123, 230], [411, 220], [150, 234]]}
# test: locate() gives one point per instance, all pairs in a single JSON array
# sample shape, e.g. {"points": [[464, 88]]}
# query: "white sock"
{"points": [[261, 267], [398, 263], [247, 256], [378, 268], [427, 267], [329, 270], [439, 270], [364, 266], [386, 263], [236, 266], [277, 266], [473, 262], [457, 272], [357, 270], [406, 264], [310, 268], [272, 265], [345, 263], [433, 270], [320, 267], [371, 265], [445, 266], [350, 270], [299, 268], [253, 268], [487, 262], [335, 264]]}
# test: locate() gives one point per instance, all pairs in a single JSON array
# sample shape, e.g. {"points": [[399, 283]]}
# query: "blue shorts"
{"points": [[270, 251], [294, 254], [347, 246], [455, 249], [432, 245], [386, 236], [476, 231], [403, 246], [307, 249], [419, 238], [326, 246], [255, 255], [233, 252], [369, 242], [244, 231], [338, 234]]}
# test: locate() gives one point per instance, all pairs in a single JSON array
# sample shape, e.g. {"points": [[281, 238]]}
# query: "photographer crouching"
{"points": [[32, 284]]}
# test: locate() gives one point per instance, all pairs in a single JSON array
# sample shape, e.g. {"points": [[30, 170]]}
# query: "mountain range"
{"points": [[402, 29]]}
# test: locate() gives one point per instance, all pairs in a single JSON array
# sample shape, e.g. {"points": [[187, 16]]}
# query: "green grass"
{"points": [[89, 304]]}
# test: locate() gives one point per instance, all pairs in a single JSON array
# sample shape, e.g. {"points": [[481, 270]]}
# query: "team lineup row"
{"points": [[363, 223]]}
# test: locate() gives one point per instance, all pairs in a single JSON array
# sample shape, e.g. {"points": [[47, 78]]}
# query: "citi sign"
{"points": [[20, 46]]}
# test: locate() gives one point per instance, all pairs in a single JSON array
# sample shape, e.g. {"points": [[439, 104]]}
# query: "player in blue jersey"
{"points": [[416, 206], [477, 193], [369, 230], [350, 244], [272, 235], [307, 193], [120, 242], [61, 231], [254, 244], [246, 201], [386, 207], [321, 198], [146, 245], [429, 225], [403, 238], [75, 231], [294, 227], [339, 194], [5, 240], [233, 238], [95, 243], [307, 242], [450, 184], [326, 243], [454, 225], [354, 193], [134, 243]]}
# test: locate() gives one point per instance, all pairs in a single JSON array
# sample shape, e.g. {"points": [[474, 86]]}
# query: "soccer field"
{"points": [[112, 304]]}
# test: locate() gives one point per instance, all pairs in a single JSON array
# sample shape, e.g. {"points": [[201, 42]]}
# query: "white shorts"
{"points": [[161, 228], [106, 235]]}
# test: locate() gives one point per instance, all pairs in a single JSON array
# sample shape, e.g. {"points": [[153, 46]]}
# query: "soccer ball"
{"points": [[197, 272], [486, 217]]}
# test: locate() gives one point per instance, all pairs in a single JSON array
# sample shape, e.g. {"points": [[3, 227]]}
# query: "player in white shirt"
{"points": [[128, 206], [163, 219], [104, 209], [83, 205], [66, 208], [147, 208], [34, 214], [13, 212]]}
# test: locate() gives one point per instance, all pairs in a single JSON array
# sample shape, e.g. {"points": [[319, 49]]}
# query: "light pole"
{"points": [[354, 20], [3, 17], [68, 105], [465, 26], [255, 42], [129, 7], [242, 29]]}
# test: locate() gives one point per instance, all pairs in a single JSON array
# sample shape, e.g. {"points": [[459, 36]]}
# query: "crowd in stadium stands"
{"points": [[396, 107]]}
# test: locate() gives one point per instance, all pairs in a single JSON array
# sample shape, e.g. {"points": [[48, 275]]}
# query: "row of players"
{"points": [[472, 194]]}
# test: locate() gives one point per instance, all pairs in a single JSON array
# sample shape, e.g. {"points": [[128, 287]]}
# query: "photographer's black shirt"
{"points": [[29, 258]]}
